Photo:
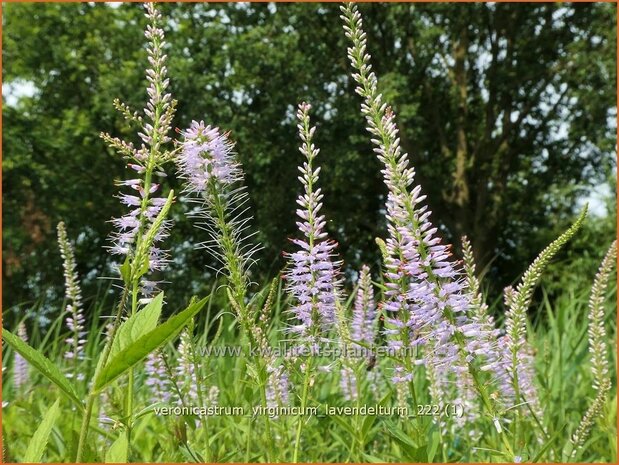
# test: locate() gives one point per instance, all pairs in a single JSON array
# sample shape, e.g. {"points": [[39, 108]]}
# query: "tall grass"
{"points": [[559, 338]]}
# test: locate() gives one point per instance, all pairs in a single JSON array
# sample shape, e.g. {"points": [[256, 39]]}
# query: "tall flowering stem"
{"points": [[363, 324], [138, 232], [426, 299], [598, 349], [519, 367], [214, 178], [131, 239], [75, 319], [363, 329], [312, 274]]}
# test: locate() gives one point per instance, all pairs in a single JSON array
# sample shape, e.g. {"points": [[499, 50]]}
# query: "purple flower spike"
{"points": [[75, 320], [364, 313], [278, 387], [313, 273], [157, 379], [206, 154], [20, 366]]}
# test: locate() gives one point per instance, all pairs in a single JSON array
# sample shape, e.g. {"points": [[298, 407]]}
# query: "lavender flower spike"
{"points": [[75, 321], [214, 180], [278, 387], [157, 379], [133, 237], [364, 313], [363, 330], [207, 155], [425, 297], [313, 274], [20, 366]]}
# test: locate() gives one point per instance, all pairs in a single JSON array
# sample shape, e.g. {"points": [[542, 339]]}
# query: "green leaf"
{"points": [[372, 458], [140, 348], [136, 326], [117, 453], [411, 450], [142, 322], [37, 444], [435, 441], [43, 364], [548, 443], [125, 270]]}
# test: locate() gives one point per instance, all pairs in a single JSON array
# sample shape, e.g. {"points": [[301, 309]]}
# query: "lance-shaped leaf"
{"points": [[140, 348], [136, 326], [43, 364], [37, 444]]}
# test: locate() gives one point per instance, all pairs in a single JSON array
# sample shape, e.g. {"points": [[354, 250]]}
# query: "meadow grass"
{"points": [[558, 336]]}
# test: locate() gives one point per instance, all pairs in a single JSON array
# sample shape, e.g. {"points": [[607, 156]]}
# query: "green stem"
{"points": [[238, 285], [130, 383], [204, 421], [267, 421], [488, 404], [92, 395], [304, 396], [84, 429]]}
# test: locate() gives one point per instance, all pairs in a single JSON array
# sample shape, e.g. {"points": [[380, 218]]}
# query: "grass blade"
{"points": [[37, 444]]}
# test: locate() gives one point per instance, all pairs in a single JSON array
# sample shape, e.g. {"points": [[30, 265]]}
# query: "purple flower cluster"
{"points": [[313, 274], [363, 325], [157, 379], [214, 181], [348, 383], [20, 366], [278, 386], [207, 154], [143, 211], [146, 162], [363, 330], [500, 363], [426, 299]]}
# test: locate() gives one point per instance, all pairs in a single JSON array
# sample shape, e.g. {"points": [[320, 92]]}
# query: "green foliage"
{"points": [[137, 325], [564, 381], [117, 453], [42, 364], [37, 444], [138, 350]]}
